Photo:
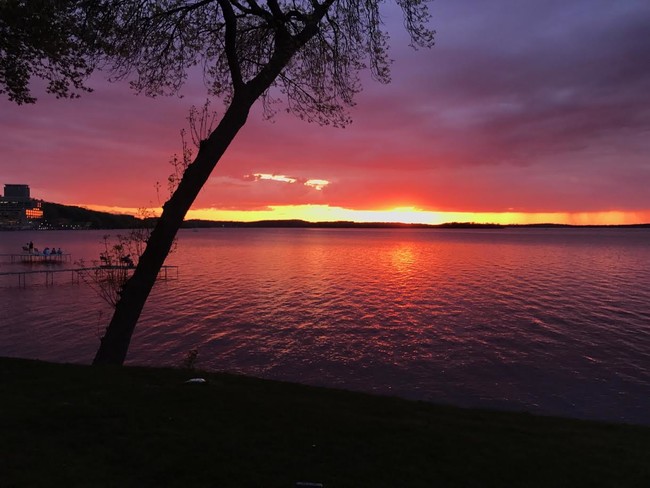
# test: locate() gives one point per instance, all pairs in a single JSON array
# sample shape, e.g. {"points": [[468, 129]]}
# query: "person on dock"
{"points": [[31, 247], [127, 261]]}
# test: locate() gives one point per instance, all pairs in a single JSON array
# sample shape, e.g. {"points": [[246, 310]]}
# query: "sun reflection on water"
{"points": [[553, 321]]}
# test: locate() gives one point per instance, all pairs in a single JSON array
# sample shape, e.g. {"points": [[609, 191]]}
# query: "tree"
{"points": [[306, 54], [54, 40]]}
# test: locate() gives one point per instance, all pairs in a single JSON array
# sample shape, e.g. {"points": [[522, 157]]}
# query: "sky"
{"points": [[524, 112]]}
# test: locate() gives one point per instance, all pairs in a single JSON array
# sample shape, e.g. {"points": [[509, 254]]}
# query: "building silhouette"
{"points": [[18, 210]]}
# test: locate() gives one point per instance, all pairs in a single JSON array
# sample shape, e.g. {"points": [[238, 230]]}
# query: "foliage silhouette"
{"points": [[119, 257], [58, 41]]}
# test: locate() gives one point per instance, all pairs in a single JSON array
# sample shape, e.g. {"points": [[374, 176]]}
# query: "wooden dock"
{"points": [[33, 258], [166, 273]]}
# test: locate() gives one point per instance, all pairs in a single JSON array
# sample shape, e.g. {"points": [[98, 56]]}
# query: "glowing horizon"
{"points": [[407, 215]]}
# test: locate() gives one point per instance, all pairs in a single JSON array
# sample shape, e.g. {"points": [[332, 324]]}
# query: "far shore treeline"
{"points": [[59, 217]]}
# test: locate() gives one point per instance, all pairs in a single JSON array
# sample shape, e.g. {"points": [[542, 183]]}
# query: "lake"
{"points": [[551, 321]]}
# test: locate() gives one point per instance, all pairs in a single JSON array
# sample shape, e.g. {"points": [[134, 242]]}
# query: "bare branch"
{"points": [[259, 11], [231, 44], [183, 8], [277, 12]]}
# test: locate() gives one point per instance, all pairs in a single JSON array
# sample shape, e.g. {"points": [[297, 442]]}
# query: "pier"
{"points": [[33, 258], [166, 273]]}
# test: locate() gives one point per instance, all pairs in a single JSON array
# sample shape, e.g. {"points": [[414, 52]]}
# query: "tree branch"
{"points": [[286, 45], [277, 12], [184, 8], [231, 44]]}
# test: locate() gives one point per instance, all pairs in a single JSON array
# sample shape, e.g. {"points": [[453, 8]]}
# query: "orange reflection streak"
{"points": [[403, 258]]}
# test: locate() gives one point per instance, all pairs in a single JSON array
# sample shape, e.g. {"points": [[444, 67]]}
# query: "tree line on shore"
{"points": [[60, 216]]}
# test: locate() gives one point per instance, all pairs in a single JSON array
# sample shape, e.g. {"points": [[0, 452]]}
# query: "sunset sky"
{"points": [[524, 111]]}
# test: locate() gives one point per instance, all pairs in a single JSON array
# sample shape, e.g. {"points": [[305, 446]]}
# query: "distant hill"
{"points": [[341, 224], [57, 216]]}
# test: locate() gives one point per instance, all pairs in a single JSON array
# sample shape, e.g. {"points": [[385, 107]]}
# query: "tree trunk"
{"points": [[115, 343]]}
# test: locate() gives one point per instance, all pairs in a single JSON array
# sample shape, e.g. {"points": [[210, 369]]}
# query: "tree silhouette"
{"points": [[302, 55], [54, 40]]}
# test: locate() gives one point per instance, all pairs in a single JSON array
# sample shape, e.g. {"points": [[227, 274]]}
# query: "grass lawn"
{"points": [[78, 426]]}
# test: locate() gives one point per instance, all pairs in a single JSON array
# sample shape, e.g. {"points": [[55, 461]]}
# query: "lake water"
{"points": [[552, 321]]}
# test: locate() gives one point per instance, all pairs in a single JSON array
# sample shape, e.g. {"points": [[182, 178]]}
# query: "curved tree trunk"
{"points": [[115, 343]]}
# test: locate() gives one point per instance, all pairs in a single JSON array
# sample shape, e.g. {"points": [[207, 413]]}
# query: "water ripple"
{"points": [[549, 321]]}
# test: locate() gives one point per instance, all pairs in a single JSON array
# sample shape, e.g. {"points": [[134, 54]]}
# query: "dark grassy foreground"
{"points": [[63, 425]]}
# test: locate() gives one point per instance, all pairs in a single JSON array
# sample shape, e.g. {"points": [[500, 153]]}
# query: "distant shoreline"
{"points": [[197, 224], [66, 217], [131, 223]]}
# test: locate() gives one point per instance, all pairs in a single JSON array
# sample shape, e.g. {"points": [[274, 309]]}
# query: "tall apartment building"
{"points": [[18, 210]]}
